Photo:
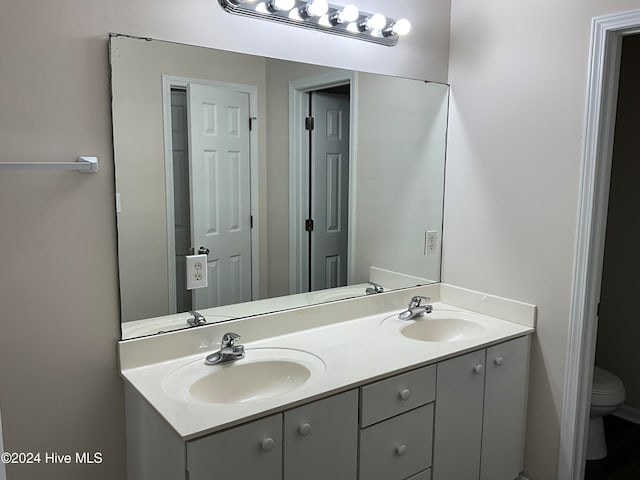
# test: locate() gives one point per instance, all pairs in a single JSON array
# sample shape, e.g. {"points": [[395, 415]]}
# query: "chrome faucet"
{"points": [[228, 352], [196, 320], [416, 308], [374, 288]]}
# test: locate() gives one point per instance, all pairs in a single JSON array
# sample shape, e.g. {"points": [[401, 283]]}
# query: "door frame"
{"points": [[169, 82], [299, 171], [607, 33]]}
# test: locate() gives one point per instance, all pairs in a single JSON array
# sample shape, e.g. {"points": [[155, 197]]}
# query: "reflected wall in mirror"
{"points": [[215, 156]]}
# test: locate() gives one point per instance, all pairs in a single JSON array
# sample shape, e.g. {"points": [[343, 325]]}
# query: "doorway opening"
{"points": [[617, 330], [607, 37], [321, 173]]}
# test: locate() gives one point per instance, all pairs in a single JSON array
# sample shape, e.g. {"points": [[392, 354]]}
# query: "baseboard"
{"points": [[628, 413]]}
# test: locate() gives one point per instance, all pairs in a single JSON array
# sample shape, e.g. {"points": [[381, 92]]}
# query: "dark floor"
{"points": [[623, 460]]}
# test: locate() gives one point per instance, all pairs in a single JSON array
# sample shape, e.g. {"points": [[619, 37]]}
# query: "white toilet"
{"points": [[606, 396]]}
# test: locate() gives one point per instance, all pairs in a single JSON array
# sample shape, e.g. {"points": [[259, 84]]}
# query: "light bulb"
{"points": [[317, 8], [349, 13], [281, 4], [401, 27], [375, 22]]}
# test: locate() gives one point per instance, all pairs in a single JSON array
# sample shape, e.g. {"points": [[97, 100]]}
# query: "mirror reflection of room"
{"points": [[278, 179]]}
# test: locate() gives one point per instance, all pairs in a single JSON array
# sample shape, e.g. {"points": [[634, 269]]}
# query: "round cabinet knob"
{"points": [[267, 444], [305, 429], [405, 393], [401, 450], [479, 368], [499, 361]]}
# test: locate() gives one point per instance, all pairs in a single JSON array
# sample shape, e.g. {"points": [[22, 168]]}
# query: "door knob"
{"points": [[203, 251]]}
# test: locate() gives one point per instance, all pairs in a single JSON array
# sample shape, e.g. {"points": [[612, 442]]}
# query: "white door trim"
{"points": [[169, 81], [606, 42], [299, 172]]}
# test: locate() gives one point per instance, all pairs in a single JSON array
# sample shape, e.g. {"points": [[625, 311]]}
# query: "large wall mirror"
{"points": [[282, 184]]}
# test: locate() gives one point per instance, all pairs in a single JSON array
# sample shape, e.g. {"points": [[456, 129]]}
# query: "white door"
{"points": [[329, 190], [220, 192]]}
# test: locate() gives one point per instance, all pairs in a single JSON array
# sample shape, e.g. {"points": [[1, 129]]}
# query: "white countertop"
{"points": [[177, 321], [354, 352]]}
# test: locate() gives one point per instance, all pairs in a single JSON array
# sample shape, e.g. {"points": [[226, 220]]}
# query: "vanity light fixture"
{"points": [[347, 20]]}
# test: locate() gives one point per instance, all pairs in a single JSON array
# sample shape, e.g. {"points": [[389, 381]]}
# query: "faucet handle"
{"points": [[374, 288], [417, 301], [229, 339]]}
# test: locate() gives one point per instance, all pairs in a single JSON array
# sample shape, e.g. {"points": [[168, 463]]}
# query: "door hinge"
{"points": [[309, 123], [251, 119], [598, 310], [250, 221], [308, 225]]}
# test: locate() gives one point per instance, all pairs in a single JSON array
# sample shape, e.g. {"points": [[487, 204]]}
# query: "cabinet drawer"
{"points": [[390, 397], [426, 475], [253, 450], [398, 447]]}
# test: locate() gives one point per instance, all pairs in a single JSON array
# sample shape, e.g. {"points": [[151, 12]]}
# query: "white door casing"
{"points": [[607, 33], [330, 190], [221, 192]]}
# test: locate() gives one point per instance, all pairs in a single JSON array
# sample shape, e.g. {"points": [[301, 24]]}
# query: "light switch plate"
{"points": [[196, 271]]}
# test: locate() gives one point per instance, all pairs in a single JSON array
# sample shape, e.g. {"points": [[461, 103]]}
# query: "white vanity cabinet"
{"points": [[321, 439], [252, 450], [481, 412], [460, 419], [312, 442], [396, 416]]}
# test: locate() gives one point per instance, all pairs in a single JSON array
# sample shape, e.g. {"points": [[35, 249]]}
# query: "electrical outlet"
{"points": [[431, 242], [196, 271]]}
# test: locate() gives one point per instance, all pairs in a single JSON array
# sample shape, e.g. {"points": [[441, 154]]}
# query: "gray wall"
{"points": [[518, 74], [619, 321], [59, 387]]}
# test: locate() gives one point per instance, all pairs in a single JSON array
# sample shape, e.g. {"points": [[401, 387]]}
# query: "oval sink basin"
{"points": [[443, 326], [263, 373], [442, 330]]}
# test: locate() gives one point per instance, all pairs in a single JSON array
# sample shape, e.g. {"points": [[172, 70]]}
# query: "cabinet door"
{"points": [[458, 418], [506, 388], [253, 450], [321, 439]]}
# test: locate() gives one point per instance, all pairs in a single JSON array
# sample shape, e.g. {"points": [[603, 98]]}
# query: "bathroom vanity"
{"points": [[344, 390]]}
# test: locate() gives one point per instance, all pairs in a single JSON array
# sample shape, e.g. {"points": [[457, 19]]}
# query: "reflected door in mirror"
{"points": [[330, 190], [220, 192]]}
